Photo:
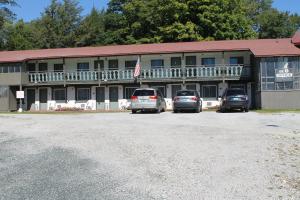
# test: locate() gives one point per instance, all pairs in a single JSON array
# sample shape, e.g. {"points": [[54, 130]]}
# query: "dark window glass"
{"points": [[113, 65], [191, 87], [58, 67], [235, 92], [175, 88], [190, 61], [31, 67], [129, 92], [43, 67], [176, 62], [97, 64], [209, 91], [3, 92], [100, 94], [161, 89], [83, 66], [144, 93], [186, 93], [113, 94], [156, 64], [208, 61], [59, 94], [237, 60], [83, 94], [130, 64], [43, 95]]}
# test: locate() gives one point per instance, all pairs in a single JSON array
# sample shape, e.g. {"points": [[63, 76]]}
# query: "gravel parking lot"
{"points": [[210, 155]]}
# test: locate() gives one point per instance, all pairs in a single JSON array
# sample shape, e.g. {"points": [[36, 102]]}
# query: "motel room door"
{"points": [[30, 99], [43, 97], [100, 98], [114, 98]]}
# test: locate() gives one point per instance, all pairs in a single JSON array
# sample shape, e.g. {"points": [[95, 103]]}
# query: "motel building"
{"points": [[101, 78]]}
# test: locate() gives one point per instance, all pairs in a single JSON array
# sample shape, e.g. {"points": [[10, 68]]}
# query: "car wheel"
{"points": [[133, 111], [158, 110], [222, 110], [201, 109], [197, 110], [246, 109], [175, 111]]}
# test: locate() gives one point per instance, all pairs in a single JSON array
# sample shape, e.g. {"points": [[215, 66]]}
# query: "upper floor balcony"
{"points": [[197, 73]]}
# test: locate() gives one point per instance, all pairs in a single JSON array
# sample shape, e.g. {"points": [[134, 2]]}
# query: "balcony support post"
{"points": [[64, 72], [183, 67], [223, 68]]}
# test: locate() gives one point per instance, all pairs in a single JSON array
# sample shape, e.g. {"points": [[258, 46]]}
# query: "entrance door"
{"points": [[43, 98], [175, 88], [100, 98], [30, 99], [114, 98]]}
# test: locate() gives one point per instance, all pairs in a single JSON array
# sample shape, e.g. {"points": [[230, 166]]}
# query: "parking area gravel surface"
{"points": [[114, 156]]}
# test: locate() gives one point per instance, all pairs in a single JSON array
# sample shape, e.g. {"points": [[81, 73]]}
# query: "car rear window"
{"points": [[143, 93], [235, 92], [185, 93]]}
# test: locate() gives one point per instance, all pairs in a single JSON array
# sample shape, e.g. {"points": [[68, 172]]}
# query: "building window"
{"points": [[83, 67], [130, 64], [100, 94], [129, 92], [59, 94], [83, 94], [191, 87], [280, 73], [237, 60], [175, 89], [161, 89], [3, 92], [113, 94], [190, 61], [31, 67], [43, 67], [97, 64], [113, 64], [175, 61], [209, 91], [209, 62], [157, 64], [58, 67]]}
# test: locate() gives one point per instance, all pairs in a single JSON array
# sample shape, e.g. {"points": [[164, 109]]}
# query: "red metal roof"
{"points": [[260, 48], [296, 38]]}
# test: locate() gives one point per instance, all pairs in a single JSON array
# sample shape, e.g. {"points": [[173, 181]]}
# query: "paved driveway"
{"points": [[210, 155]]}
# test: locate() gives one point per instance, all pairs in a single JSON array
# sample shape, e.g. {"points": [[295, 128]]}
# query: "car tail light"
{"points": [[153, 97], [134, 98], [194, 98], [176, 98]]}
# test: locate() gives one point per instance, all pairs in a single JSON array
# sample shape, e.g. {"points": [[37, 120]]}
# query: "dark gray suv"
{"points": [[187, 100], [234, 99]]}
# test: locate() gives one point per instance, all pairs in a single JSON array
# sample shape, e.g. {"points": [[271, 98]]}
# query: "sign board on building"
{"points": [[20, 94], [284, 75]]}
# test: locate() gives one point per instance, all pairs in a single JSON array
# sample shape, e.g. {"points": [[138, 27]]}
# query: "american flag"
{"points": [[137, 70]]}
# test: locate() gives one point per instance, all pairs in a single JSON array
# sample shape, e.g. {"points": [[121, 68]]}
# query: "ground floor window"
{"points": [[161, 89], [83, 94], [191, 87], [175, 88], [113, 94], [209, 91], [100, 94], [59, 94], [129, 91]]}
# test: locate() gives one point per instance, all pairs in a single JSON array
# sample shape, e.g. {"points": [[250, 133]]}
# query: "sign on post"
{"points": [[20, 94]]}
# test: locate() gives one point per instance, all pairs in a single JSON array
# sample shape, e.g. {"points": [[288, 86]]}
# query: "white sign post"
{"points": [[20, 95]]}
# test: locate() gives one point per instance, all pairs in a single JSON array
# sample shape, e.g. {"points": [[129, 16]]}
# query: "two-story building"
{"points": [[97, 78]]}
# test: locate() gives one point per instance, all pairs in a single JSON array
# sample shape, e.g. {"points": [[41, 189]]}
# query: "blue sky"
{"points": [[31, 9]]}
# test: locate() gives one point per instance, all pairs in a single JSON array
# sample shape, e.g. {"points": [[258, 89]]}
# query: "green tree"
{"points": [[20, 36], [92, 29], [59, 24], [5, 12], [276, 24]]}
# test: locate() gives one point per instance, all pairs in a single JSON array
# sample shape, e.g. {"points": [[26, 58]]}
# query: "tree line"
{"points": [[61, 24]]}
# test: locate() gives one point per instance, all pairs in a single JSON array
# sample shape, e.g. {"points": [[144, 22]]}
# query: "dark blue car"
{"points": [[234, 99]]}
